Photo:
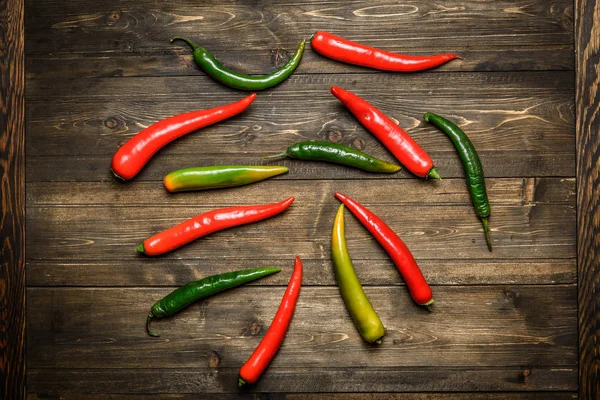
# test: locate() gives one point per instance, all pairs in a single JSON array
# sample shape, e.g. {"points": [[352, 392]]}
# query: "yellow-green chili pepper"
{"points": [[364, 316], [221, 176]]}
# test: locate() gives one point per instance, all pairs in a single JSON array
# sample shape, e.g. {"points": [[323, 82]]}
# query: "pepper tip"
{"points": [[428, 305], [150, 316], [140, 249], [241, 382]]}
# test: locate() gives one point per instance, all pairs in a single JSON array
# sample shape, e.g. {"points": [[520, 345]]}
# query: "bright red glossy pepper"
{"points": [[209, 222], [268, 346], [395, 247], [350, 52], [129, 160], [402, 146]]}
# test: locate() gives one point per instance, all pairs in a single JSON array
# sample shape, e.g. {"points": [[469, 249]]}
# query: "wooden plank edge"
{"points": [[587, 17], [12, 215]]}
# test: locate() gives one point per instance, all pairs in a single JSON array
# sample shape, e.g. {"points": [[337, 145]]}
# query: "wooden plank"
{"points": [[524, 191], [12, 210], [302, 380], [273, 28], [443, 232], [176, 61], [165, 272], [471, 326], [327, 396], [588, 149]]}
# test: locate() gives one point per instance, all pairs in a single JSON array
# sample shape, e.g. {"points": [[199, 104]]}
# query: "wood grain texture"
{"points": [[504, 322], [134, 39], [305, 380], [483, 326], [324, 396], [12, 212], [588, 168]]}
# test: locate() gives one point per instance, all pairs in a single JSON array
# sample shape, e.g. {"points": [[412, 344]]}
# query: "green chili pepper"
{"points": [[471, 164], [209, 64], [364, 316], [215, 177], [338, 154], [194, 291]]}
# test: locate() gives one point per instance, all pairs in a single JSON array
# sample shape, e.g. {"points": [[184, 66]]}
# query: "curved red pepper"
{"points": [[137, 151], [268, 346], [350, 52], [402, 146], [395, 247], [209, 222]]}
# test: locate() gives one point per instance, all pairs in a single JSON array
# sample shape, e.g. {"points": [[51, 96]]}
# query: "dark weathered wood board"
{"points": [[505, 323]]}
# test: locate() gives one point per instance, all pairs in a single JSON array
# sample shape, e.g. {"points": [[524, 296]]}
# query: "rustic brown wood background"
{"points": [[505, 323]]}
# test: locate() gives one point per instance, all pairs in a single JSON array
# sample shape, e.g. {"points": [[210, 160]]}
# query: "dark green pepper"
{"points": [[209, 64], [338, 154], [473, 168], [194, 291]]}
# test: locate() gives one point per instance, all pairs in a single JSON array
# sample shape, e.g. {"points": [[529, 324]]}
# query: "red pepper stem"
{"points": [[140, 249], [188, 41], [433, 174], [280, 155], [241, 382], [150, 316], [486, 230]]}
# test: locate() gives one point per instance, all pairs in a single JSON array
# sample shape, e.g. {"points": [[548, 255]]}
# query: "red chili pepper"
{"points": [[395, 247], [209, 222], [268, 346], [350, 52], [402, 146], [137, 151]]}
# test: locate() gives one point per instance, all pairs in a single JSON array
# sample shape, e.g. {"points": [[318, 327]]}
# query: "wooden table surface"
{"points": [[504, 323]]}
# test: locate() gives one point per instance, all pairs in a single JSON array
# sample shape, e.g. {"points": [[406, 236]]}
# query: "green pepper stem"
{"points": [[428, 305], [140, 249], [117, 175], [150, 316], [188, 41], [486, 230], [280, 155], [434, 174], [241, 382]]}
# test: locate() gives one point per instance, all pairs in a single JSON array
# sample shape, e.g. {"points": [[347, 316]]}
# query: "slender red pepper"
{"points": [[268, 346], [129, 160], [350, 52], [402, 146], [209, 222], [395, 247]]}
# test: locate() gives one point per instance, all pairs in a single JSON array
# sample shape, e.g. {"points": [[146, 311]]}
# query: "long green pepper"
{"points": [[194, 291], [209, 64], [338, 154], [473, 168]]}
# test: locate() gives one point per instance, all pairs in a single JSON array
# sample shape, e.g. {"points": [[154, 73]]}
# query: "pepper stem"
{"points": [[434, 174], [428, 305], [280, 155], [140, 249], [150, 316], [486, 230], [188, 41], [378, 341], [241, 382]]}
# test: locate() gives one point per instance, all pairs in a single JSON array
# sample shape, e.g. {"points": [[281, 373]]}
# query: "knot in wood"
{"points": [[111, 123], [335, 136], [112, 17], [255, 328], [358, 144], [213, 359]]}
